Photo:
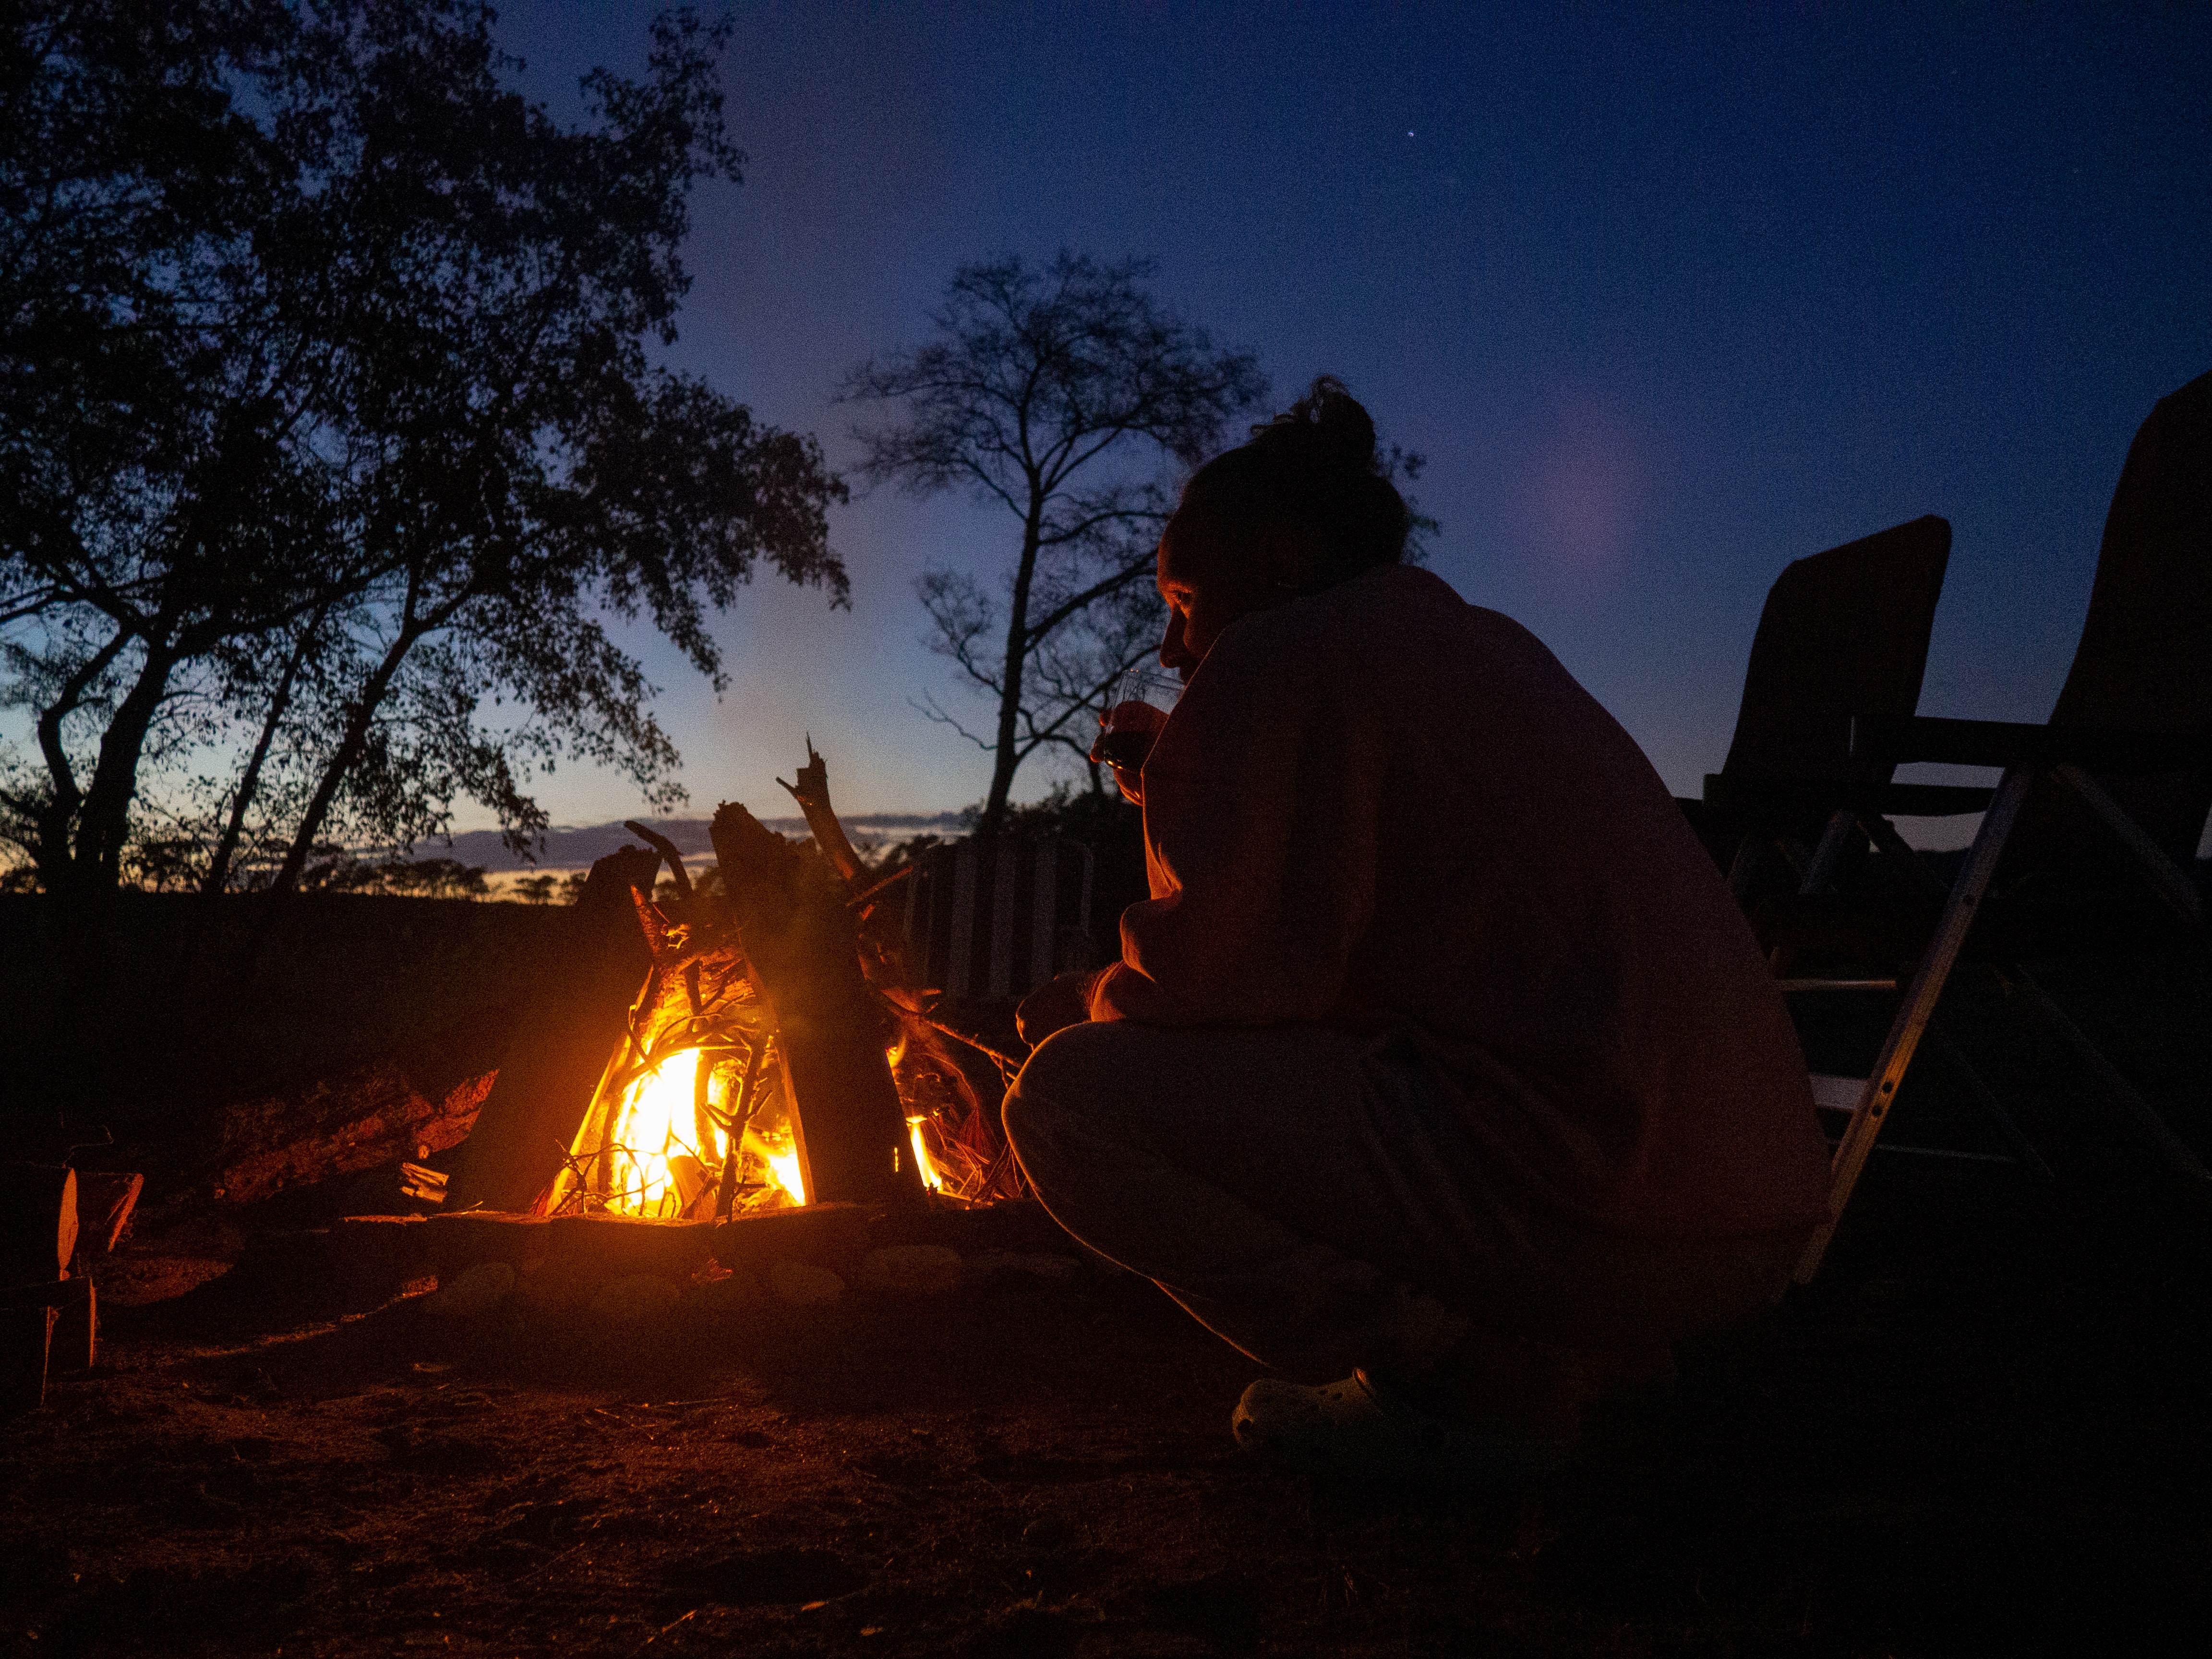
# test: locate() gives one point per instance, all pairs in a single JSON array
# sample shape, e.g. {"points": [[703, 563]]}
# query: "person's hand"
{"points": [[1059, 1002]]}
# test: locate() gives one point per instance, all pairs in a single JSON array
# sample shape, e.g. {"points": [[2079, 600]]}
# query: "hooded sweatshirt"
{"points": [[1383, 809]]}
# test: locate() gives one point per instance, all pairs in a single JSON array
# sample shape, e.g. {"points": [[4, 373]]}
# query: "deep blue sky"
{"points": [[1668, 300]]}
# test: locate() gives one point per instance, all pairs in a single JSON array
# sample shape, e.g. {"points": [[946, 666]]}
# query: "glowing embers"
{"points": [[661, 1147]]}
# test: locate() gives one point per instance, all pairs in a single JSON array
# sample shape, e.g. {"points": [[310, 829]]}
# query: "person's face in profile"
{"points": [[1208, 587]]}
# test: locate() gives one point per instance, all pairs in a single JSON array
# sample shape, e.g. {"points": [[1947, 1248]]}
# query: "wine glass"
{"points": [[1137, 704]]}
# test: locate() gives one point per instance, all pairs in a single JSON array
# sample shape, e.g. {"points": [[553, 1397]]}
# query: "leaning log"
{"points": [[571, 1023], [811, 789], [25, 1335], [105, 1204], [37, 1221], [803, 953], [77, 1325]]}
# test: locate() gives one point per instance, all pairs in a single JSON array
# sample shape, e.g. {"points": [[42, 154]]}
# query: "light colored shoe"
{"points": [[1359, 1431]]}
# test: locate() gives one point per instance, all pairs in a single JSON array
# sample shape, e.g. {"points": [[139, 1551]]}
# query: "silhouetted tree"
{"points": [[1067, 396], [327, 426]]}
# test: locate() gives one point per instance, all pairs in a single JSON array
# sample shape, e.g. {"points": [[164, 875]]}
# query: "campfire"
{"points": [[779, 1053], [742, 1081]]}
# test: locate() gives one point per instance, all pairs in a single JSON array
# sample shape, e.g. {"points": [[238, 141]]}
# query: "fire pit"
{"points": [[731, 1051]]}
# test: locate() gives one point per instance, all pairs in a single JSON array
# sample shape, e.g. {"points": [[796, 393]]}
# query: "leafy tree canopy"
{"points": [[330, 437]]}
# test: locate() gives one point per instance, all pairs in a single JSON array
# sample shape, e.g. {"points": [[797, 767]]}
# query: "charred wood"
{"points": [[26, 1336], [105, 1204], [811, 791], [669, 856], [560, 1047], [802, 949], [37, 1221]]}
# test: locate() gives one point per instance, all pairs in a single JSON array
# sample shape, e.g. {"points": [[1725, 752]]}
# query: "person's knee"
{"points": [[1059, 1076]]}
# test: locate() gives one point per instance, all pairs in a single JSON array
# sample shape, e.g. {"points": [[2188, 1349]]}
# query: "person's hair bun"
{"points": [[1326, 428], [1313, 464]]}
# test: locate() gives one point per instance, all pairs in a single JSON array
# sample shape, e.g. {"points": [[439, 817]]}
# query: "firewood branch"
{"points": [[811, 791]]}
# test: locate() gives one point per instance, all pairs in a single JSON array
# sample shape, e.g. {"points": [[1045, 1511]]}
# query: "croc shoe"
{"points": [[1359, 1431]]}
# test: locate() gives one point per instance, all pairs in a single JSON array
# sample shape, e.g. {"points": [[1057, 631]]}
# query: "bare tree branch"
{"points": [[1040, 377]]}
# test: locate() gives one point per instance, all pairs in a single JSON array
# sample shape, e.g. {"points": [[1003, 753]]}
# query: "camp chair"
{"points": [[2123, 766], [1843, 632]]}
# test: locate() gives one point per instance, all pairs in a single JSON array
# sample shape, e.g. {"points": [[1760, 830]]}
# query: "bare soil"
{"points": [[1984, 1431]]}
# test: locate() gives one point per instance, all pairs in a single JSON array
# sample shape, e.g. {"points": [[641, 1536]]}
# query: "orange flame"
{"points": [[931, 1177], [661, 1160]]}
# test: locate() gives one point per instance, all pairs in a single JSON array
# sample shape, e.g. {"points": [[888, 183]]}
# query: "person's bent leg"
{"points": [[1185, 1154], [1316, 1202]]}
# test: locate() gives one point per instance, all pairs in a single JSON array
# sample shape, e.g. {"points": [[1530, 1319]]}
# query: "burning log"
{"points": [[802, 946], [25, 1335], [811, 791], [77, 1325], [672, 1126], [560, 1047], [105, 1204], [755, 1067], [38, 1222], [954, 1137]]}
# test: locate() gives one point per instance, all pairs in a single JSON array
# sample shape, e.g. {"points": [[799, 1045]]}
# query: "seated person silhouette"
{"points": [[1439, 1060]]}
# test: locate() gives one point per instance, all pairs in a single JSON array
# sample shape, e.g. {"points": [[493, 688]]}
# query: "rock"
{"points": [[547, 1293], [804, 1285], [994, 1264], [455, 1242], [832, 1235], [634, 1299], [473, 1293], [912, 1269], [724, 1294], [622, 1245]]}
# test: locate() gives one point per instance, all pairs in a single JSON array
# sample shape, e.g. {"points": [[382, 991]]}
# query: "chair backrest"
{"points": [[2145, 658], [1843, 633]]}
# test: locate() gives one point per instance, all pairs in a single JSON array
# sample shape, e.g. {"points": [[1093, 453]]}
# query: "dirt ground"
{"points": [[1985, 1431]]}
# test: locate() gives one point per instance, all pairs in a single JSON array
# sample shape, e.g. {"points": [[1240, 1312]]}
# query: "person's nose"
{"points": [[1174, 653]]}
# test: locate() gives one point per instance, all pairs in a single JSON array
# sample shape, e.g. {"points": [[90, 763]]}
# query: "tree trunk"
{"points": [[1006, 756], [218, 872], [103, 822], [350, 743], [802, 951], [59, 816]]}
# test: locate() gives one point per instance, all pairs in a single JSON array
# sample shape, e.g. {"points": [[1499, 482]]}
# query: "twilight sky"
{"points": [[1668, 299]]}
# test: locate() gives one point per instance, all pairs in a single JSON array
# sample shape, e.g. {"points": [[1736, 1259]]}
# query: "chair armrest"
{"points": [[1878, 737], [1756, 797]]}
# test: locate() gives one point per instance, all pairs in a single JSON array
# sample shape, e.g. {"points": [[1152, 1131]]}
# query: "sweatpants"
{"points": [[1311, 1197]]}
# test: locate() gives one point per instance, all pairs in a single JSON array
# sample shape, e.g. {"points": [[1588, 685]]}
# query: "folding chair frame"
{"points": [[2027, 752]]}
